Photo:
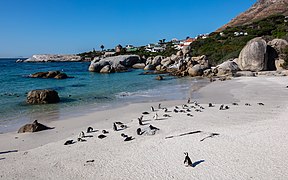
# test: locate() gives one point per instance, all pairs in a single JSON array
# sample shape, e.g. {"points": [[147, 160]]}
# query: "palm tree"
{"points": [[102, 47]]}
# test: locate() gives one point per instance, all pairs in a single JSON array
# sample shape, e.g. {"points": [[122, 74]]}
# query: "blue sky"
{"points": [[72, 26]]}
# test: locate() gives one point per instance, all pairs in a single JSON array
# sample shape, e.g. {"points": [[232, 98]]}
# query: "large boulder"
{"points": [[139, 66], [45, 96], [196, 70], [253, 56], [278, 44], [227, 68], [118, 63], [34, 127], [276, 53], [157, 60], [107, 69]]}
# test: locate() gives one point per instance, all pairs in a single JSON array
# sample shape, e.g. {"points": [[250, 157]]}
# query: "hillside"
{"points": [[260, 10], [222, 46]]}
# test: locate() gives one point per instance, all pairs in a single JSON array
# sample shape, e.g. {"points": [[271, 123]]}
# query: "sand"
{"points": [[251, 141]]}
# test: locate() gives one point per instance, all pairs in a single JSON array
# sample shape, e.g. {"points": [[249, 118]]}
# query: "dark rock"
{"points": [[42, 97], [34, 127], [159, 78]]}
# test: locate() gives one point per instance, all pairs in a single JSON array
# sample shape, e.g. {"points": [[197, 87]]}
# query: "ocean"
{"points": [[84, 93]]}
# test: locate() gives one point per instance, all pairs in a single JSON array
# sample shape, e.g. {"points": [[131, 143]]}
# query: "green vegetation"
{"points": [[220, 48]]}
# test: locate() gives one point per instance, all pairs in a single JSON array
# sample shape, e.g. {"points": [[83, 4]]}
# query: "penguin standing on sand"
{"points": [[187, 160], [155, 117], [140, 121], [115, 127], [159, 106], [152, 109]]}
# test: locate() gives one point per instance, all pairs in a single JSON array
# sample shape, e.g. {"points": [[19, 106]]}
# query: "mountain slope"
{"points": [[260, 10]]}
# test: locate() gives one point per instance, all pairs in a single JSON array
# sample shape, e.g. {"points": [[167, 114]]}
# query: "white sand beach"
{"points": [[249, 142]]}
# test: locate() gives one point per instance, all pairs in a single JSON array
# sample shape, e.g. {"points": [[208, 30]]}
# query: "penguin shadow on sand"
{"points": [[197, 163]]}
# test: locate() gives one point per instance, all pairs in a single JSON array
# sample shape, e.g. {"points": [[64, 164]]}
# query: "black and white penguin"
{"points": [[187, 160], [152, 109], [89, 129], [115, 127]]}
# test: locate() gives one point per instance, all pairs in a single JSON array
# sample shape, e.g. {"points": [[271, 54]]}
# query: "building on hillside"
{"points": [[154, 48], [130, 48], [182, 43]]}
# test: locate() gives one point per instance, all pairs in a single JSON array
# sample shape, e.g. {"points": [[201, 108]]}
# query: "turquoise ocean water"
{"points": [[84, 93]]}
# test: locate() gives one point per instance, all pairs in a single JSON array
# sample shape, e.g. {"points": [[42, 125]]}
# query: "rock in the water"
{"points": [[42, 97], [53, 58], [107, 69], [118, 63], [149, 67], [50, 74], [61, 76], [159, 78], [34, 127], [253, 56]]}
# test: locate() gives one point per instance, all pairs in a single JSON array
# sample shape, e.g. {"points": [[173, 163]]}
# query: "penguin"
{"points": [[115, 127], [221, 107], [175, 111], [227, 107], [155, 117], [166, 115], [159, 106], [184, 106], [153, 127], [188, 101], [105, 132], [187, 160], [81, 135], [211, 105], [129, 138], [235, 104], [139, 131], [101, 136], [247, 104], [140, 121], [152, 109], [89, 129], [260, 104], [165, 109], [124, 135]]}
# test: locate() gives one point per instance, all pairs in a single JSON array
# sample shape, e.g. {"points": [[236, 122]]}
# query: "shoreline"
{"points": [[254, 138]]}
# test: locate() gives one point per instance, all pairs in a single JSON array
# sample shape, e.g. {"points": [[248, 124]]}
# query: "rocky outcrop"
{"points": [[34, 127], [276, 52], [45, 96], [117, 63], [53, 58], [50, 74], [253, 56]]}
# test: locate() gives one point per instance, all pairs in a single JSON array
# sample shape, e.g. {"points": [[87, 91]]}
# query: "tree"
{"points": [[102, 47]]}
